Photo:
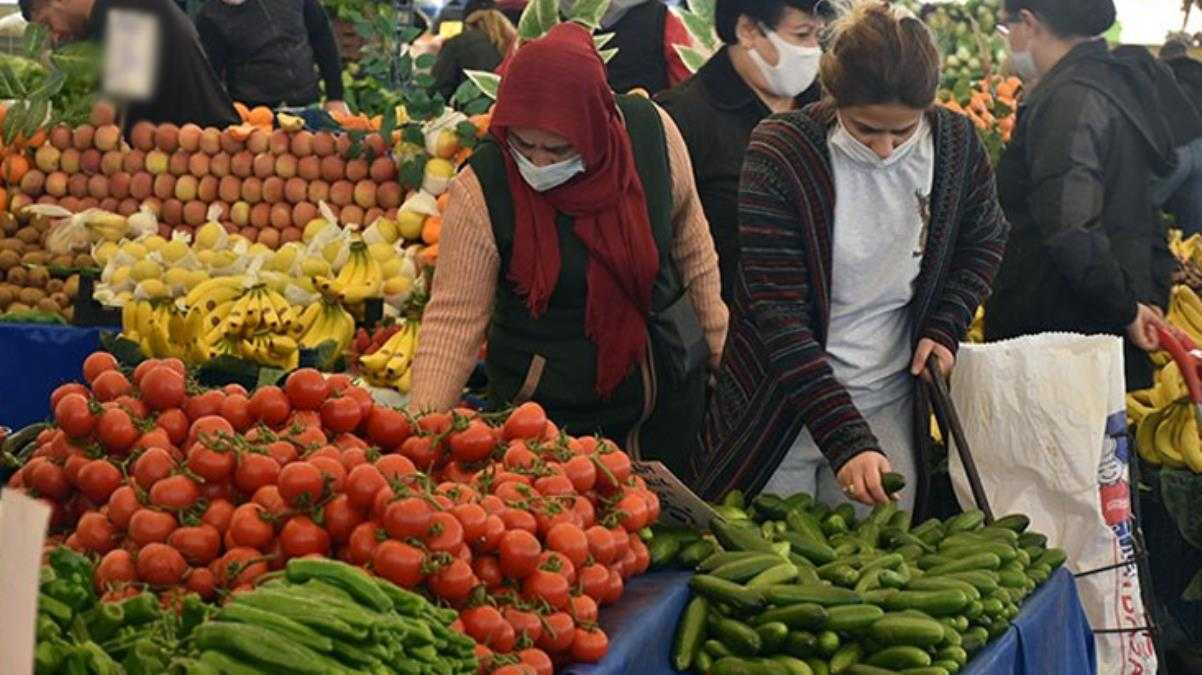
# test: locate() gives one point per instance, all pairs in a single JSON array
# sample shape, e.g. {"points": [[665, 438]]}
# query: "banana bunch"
{"points": [[390, 365], [256, 323], [1170, 437], [106, 226], [160, 328], [1185, 312], [359, 279], [322, 321]]}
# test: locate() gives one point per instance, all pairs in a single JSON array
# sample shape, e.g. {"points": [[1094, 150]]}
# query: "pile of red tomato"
{"points": [[523, 529]]}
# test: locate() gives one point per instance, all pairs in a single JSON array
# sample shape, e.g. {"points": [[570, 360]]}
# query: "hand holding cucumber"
{"points": [[861, 478]]}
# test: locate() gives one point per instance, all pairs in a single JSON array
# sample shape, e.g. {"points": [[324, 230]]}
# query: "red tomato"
{"points": [[214, 466], [554, 486], [614, 592], [519, 519], [621, 542], [269, 498], [388, 428], [514, 669], [642, 557], [301, 484], [143, 368], [362, 484], [399, 563], [473, 518], [340, 518], [211, 430], [558, 632], [239, 566], [494, 529], [445, 532], [152, 466], [160, 565], [74, 416], [218, 514], [633, 510], [50, 481], [492, 504], [589, 646], [421, 451], [109, 385], [123, 503], [549, 587], [582, 472], [115, 568], [518, 456], [115, 430], [362, 542], [569, 540], [270, 406], [552, 561], [488, 571], [485, 625], [332, 471], [248, 528], [352, 457], [236, 409], [473, 444], [615, 464], [95, 532], [136, 408], [408, 518], [340, 415], [594, 581], [203, 405], [69, 388], [282, 452], [254, 471], [583, 609], [97, 363], [98, 479], [147, 526], [175, 423], [201, 581], [306, 389], [175, 493], [379, 505], [519, 551], [528, 421], [364, 399], [163, 388], [524, 623], [537, 661], [200, 544], [301, 537], [454, 583], [338, 383]]}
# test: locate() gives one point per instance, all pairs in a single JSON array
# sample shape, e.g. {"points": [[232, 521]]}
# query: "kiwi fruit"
{"points": [[16, 276], [71, 286], [12, 244], [68, 312], [60, 300], [31, 296], [54, 285], [6, 296], [49, 306], [8, 224], [84, 261], [18, 307], [37, 277], [36, 258], [29, 235], [9, 260]]}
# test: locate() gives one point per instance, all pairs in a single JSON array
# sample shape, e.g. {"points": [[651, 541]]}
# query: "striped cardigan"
{"points": [[775, 377]]}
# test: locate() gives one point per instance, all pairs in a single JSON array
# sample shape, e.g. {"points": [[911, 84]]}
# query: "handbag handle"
{"points": [[947, 411]]}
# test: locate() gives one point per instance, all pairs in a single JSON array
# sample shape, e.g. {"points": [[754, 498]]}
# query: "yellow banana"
{"points": [[1188, 441], [1166, 437], [212, 292]]}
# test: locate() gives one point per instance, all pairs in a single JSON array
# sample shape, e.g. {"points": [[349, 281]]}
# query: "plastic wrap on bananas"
{"points": [[390, 365]]}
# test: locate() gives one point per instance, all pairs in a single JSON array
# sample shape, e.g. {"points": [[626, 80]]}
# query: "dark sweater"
{"points": [[186, 88], [267, 49], [775, 378], [470, 50]]}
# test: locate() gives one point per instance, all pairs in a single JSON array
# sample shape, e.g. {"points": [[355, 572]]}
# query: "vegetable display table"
{"points": [[1051, 635], [34, 359]]}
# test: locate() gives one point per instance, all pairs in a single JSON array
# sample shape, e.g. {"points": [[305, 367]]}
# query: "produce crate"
{"points": [[88, 312]]}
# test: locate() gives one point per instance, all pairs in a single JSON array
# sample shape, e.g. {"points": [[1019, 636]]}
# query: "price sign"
{"points": [[23, 521], [678, 504], [131, 55]]}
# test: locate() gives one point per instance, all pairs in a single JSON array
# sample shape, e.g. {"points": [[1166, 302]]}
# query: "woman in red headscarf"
{"points": [[576, 244]]}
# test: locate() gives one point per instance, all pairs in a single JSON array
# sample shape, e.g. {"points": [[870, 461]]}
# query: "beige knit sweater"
{"points": [[461, 303]]}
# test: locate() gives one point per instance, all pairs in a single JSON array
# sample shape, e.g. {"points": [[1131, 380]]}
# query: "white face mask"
{"points": [[1024, 66], [234, 2], [795, 69], [851, 146], [549, 177]]}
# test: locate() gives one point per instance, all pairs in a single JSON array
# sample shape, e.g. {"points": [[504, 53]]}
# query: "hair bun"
{"points": [[1093, 16]]}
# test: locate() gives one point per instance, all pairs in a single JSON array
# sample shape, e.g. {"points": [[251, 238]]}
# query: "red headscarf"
{"points": [[557, 84]]}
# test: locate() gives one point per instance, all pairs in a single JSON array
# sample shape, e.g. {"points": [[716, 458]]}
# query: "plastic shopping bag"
{"points": [[1046, 420]]}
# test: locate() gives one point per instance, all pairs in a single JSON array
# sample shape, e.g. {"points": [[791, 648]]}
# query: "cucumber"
{"points": [[986, 581], [881, 514], [848, 512], [1053, 558], [901, 520], [777, 574], [702, 662], [731, 665], [993, 607], [948, 666], [769, 507], [847, 656], [999, 534], [741, 638], [934, 603], [1011, 579], [989, 561], [1017, 523], [690, 633], [734, 499], [802, 644], [893, 482], [869, 581], [951, 632], [742, 570], [691, 555], [869, 534], [1005, 552], [733, 514], [739, 538], [839, 573], [926, 527], [806, 524], [956, 654], [828, 643], [798, 617], [827, 596], [801, 500], [716, 649], [880, 596], [1033, 539], [834, 524], [929, 561], [772, 636], [818, 666], [819, 553], [795, 666], [663, 549], [1024, 558], [852, 618], [899, 657], [965, 522], [944, 584], [735, 595], [889, 561], [1039, 573], [900, 629], [721, 558], [929, 670], [865, 669], [975, 638], [892, 579]]}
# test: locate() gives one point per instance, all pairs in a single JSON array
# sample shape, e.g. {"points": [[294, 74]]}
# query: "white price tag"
{"points": [[23, 522], [678, 505], [131, 55]]}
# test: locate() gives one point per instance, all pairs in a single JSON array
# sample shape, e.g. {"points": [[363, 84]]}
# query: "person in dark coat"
{"points": [[487, 38], [1088, 253], [271, 51], [186, 89], [769, 63], [869, 234], [646, 35]]}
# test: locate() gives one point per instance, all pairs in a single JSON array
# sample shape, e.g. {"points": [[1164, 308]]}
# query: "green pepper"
{"points": [[49, 656], [348, 578], [103, 620], [55, 609]]}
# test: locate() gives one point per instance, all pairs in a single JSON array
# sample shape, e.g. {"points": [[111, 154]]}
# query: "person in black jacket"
{"points": [[1087, 251], [487, 38], [185, 87], [270, 51], [646, 35], [769, 64]]}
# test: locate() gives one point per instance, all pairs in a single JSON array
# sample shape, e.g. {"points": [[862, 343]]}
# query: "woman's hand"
{"points": [[1142, 331], [926, 347], [861, 478], [338, 107]]}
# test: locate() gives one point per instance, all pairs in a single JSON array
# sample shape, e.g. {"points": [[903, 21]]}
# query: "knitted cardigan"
{"points": [[775, 377]]}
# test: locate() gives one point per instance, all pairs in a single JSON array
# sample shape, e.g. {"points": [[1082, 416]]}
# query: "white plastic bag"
{"points": [[1045, 418]]}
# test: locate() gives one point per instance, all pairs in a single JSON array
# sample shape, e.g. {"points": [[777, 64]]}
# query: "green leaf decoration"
{"points": [[607, 54], [692, 58], [488, 83], [538, 18], [425, 61], [599, 41], [33, 43], [589, 12], [703, 8]]}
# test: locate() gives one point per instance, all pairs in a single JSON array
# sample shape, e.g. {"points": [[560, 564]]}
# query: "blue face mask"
{"points": [[543, 178]]}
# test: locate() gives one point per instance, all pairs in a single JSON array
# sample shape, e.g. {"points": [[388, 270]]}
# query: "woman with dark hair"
{"points": [[869, 234], [487, 38], [576, 243], [1088, 253], [769, 63]]}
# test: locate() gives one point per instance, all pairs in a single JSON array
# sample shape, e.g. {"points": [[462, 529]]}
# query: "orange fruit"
{"points": [[243, 111], [15, 168], [429, 255], [261, 116], [443, 201], [432, 230]]}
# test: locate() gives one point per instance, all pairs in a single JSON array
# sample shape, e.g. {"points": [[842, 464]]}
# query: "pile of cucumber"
{"points": [[790, 586]]}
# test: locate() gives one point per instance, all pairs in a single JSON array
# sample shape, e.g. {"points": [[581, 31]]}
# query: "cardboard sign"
{"points": [[131, 55], [23, 521], [678, 504]]}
